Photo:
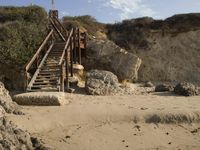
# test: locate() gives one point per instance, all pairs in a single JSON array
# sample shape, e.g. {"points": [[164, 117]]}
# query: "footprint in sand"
{"points": [[143, 108]]}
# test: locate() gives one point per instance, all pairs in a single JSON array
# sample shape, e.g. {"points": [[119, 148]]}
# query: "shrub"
{"points": [[21, 32]]}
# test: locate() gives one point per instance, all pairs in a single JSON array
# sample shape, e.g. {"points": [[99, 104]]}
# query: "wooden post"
{"points": [[85, 43], [62, 85], [79, 48], [71, 56], [74, 42], [67, 69]]}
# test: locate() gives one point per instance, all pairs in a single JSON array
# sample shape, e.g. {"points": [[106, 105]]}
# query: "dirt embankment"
{"points": [[170, 49]]}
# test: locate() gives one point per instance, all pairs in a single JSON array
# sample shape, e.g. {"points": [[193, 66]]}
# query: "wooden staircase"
{"points": [[50, 67]]}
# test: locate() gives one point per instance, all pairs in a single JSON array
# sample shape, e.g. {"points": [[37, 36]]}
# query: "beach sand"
{"points": [[157, 121]]}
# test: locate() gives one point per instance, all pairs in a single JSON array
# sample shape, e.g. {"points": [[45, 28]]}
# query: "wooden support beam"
{"points": [[79, 47], [67, 69], [71, 55], [74, 42]]}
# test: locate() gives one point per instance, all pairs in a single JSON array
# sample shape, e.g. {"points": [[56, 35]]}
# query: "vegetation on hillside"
{"points": [[22, 29], [87, 23]]}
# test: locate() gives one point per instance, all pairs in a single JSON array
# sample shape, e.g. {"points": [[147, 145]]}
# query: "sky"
{"points": [[110, 11]]}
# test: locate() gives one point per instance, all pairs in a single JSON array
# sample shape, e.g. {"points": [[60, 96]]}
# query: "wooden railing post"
{"points": [[79, 47], [62, 84], [71, 56], [67, 71], [75, 46]]}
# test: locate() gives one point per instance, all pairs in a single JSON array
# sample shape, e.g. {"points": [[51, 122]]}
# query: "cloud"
{"points": [[63, 13], [128, 8]]}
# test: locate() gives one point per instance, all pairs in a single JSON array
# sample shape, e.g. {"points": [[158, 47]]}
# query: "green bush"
{"points": [[21, 32], [34, 14]]}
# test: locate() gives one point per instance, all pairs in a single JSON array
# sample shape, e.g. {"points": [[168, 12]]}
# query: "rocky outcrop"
{"points": [[6, 101], [186, 89], [99, 82], [2, 112], [163, 88], [105, 55], [13, 138], [148, 84]]}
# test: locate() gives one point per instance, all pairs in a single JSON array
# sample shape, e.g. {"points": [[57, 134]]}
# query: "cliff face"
{"points": [[170, 49]]}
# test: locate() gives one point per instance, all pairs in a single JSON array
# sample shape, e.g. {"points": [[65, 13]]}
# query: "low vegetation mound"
{"points": [[85, 23], [21, 31]]}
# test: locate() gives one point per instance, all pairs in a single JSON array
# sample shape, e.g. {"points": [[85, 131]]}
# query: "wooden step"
{"points": [[50, 71], [46, 80], [50, 65], [44, 86], [48, 74], [51, 62], [43, 90], [45, 83]]}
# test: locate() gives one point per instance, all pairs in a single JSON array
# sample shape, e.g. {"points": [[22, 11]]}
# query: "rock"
{"points": [[163, 88], [100, 82], [148, 84], [186, 89], [2, 112], [42, 99], [105, 55], [6, 101], [38, 146], [12, 138]]}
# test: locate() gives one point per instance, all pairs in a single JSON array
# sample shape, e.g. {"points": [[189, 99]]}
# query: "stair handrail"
{"points": [[28, 65], [59, 26], [36, 56], [64, 61]]}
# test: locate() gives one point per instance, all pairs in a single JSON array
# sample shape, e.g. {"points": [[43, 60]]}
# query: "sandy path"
{"points": [[118, 122]]}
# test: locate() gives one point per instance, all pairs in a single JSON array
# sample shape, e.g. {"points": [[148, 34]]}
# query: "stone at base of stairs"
{"points": [[42, 99], [78, 69]]}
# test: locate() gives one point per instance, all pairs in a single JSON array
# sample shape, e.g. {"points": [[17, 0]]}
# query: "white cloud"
{"points": [[128, 8], [63, 13]]}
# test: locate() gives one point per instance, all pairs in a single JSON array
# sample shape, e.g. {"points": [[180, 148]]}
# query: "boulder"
{"points": [[148, 84], [186, 89], [42, 99], [105, 55], [99, 82], [163, 88], [6, 101]]}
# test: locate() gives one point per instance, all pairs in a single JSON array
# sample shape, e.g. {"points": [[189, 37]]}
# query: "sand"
{"points": [[160, 121]]}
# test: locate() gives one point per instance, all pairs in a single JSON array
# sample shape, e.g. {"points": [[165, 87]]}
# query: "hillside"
{"points": [[21, 31], [169, 49]]}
